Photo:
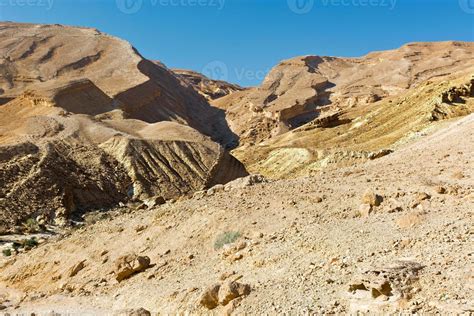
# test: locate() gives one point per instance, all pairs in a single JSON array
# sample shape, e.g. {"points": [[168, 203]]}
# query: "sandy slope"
{"points": [[305, 243]]}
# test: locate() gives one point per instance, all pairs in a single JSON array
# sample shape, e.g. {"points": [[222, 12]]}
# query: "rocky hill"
{"points": [[119, 194], [88, 129], [300, 90]]}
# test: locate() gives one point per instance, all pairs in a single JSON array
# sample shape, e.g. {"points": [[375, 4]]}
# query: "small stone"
{"points": [[422, 196], [236, 257], [140, 228], [128, 265], [74, 270], [371, 198], [210, 297], [224, 276], [231, 290], [440, 189]]}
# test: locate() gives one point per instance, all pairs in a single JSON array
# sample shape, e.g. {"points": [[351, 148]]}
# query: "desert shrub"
{"points": [[7, 252], [31, 225], [226, 238], [30, 243]]}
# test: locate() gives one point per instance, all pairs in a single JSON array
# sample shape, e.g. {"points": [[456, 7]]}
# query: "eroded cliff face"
{"points": [[87, 129], [208, 88]]}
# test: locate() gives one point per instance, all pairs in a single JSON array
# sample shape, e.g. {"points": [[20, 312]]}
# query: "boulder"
{"points": [[128, 265], [371, 198], [210, 297], [232, 290]]}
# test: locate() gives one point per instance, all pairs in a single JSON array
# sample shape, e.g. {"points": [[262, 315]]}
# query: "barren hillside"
{"points": [[389, 235], [301, 89], [88, 129], [119, 196]]}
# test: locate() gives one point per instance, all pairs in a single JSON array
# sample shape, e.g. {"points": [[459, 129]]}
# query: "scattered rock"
{"points": [[440, 189], [128, 265], [422, 196], [140, 228], [379, 154], [154, 201], [210, 297], [394, 282], [74, 270], [224, 276], [241, 183], [371, 198], [231, 290], [230, 249]]}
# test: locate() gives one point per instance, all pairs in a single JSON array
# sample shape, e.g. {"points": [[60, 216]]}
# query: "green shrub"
{"points": [[7, 252], [31, 225], [30, 243], [226, 238]]}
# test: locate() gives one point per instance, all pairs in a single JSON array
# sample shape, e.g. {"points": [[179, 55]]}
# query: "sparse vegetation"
{"points": [[7, 252], [226, 238], [31, 225], [29, 243]]}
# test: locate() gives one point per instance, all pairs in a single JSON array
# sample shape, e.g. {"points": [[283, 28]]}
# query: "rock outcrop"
{"points": [[86, 129], [299, 90], [209, 88]]}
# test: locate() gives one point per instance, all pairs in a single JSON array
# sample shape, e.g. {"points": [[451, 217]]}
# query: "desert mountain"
{"points": [[117, 167], [313, 112], [209, 88], [87, 128], [302, 89]]}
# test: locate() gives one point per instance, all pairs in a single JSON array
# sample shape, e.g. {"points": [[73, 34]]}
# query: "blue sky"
{"points": [[240, 40]]}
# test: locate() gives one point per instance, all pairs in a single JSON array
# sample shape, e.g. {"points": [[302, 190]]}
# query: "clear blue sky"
{"points": [[248, 37]]}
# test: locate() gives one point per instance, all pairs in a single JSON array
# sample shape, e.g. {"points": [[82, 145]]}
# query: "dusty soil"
{"points": [[306, 243]]}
